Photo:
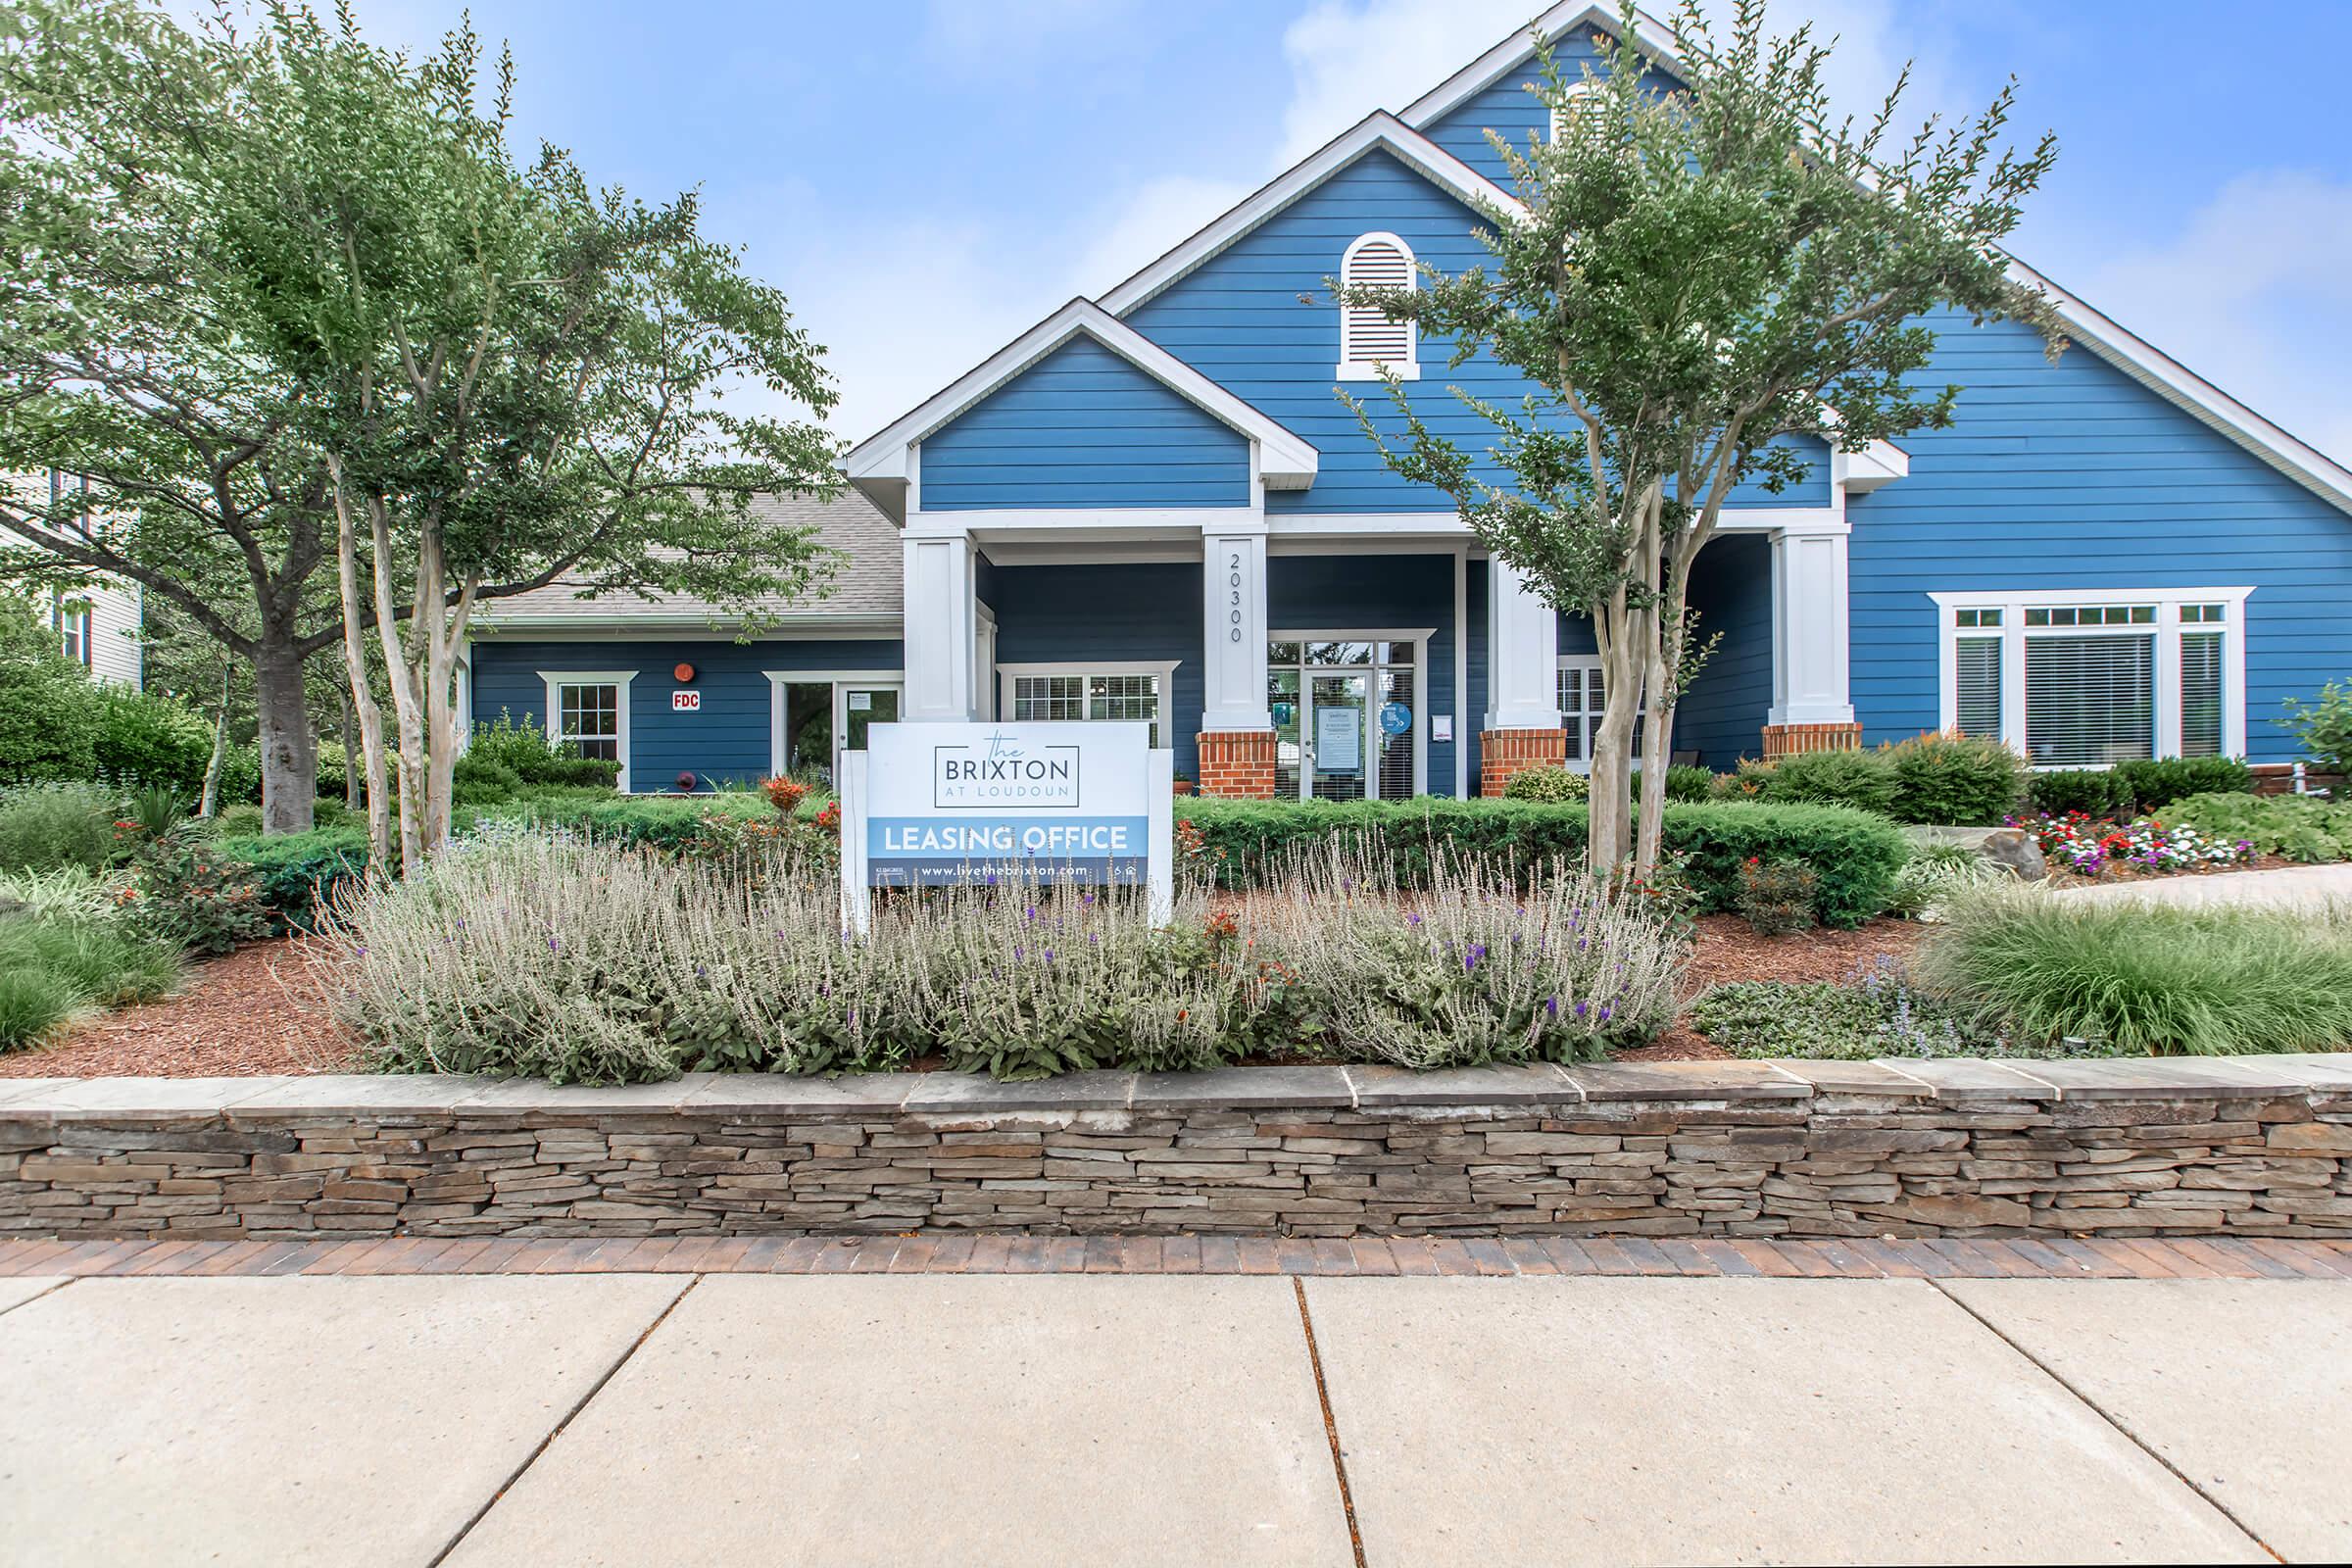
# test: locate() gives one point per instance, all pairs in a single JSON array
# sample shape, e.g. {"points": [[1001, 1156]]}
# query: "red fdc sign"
{"points": [[685, 701]]}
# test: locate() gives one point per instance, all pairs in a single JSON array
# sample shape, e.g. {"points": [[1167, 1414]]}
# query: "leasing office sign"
{"points": [[945, 803]]}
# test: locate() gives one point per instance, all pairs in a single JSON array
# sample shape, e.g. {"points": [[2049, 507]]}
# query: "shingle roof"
{"points": [[865, 587]]}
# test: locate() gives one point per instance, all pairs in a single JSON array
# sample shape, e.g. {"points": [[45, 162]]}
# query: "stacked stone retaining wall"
{"points": [[2243, 1147]]}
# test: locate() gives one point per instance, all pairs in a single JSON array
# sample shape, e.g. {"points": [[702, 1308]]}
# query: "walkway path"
{"points": [[2288, 887], [963, 1400]]}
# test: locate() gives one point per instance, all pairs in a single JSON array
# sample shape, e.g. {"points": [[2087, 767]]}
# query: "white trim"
{"points": [[1164, 669], [1379, 129], [554, 680], [2165, 628], [1652, 36], [1288, 460], [840, 680], [1591, 663], [1419, 637], [1354, 368], [668, 628], [1174, 523], [1461, 671]]}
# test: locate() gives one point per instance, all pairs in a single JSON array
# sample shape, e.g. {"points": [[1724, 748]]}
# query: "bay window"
{"points": [[2076, 678]]}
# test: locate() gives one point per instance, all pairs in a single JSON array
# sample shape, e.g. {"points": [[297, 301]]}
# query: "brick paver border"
{"points": [[936, 1252]]}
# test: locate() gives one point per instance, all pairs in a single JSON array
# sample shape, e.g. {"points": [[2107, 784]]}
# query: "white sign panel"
{"points": [[943, 803], [685, 701], [1339, 739]]}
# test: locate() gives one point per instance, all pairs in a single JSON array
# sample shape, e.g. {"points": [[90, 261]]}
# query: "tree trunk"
{"points": [[289, 754], [351, 761], [1658, 738], [362, 695], [208, 801], [1610, 797]]}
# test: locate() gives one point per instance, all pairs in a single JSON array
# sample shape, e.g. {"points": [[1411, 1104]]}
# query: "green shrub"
{"points": [[1247, 843], [238, 821], [478, 778], [2145, 978], [196, 896], [2323, 727], [33, 1003], [1955, 780], [585, 962], [66, 892], [298, 876], [1863, 780], [145, 740], [1776, 897], [48, 705], [43, 826], [240, 775], [102, 962], [2091, 791], [1935, 874], [1879, 1013], [2300, 827], [2153, 785], [523, 749], [1685, 782], [1550, 786]]}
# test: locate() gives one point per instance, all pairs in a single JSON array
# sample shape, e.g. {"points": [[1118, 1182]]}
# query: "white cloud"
{"points": [[2253, 294], [1147, 223], [1351, 57]]}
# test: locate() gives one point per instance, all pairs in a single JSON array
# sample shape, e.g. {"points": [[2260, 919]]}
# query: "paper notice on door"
{"points": [[1339, 740]]}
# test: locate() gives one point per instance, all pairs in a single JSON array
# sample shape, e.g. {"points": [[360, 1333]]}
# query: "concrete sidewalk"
{"points": [[841, 1419], [2286, 887]]}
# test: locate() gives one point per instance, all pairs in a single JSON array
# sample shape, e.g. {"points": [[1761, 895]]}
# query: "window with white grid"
{"points": [[2081, 680], [589, 719], [1132, 695]]}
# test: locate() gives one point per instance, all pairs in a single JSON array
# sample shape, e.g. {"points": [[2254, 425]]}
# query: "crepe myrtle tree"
{"points": [[522, 377], [1690, 274]]}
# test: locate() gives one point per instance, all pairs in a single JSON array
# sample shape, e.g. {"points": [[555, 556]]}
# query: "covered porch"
{"points": [[1333, 660]]}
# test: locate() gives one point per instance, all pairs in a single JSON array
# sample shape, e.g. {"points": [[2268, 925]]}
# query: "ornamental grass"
{"points": [[586, 961]]}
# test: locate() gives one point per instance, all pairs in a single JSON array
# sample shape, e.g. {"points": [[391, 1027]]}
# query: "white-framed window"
{"points": [[1582, 697], [588, 711], [2078, 677], [1047, 693], [1369, 341], [71, 617]]}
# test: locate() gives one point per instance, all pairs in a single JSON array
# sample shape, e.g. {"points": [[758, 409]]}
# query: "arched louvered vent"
{"points": [[1368, 339], [1578, 104]]}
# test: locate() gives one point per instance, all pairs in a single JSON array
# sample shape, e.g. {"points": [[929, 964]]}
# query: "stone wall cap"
{"points": [[138, 1099], [964, 1093], [1541, 1084], [778, 1093], [1687, 1080], [1827, 1077], [1961, 1078], [1246, 1089], [13, 1090], [359, 1094]]}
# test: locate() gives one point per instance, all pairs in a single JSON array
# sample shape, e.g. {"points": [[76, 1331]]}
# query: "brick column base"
{"points": [[1238, 763], [1789, 740], [1504, 752]]}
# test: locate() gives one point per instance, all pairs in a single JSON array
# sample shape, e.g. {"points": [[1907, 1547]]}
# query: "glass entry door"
{"points": [[861, 705], [1345, 728]]}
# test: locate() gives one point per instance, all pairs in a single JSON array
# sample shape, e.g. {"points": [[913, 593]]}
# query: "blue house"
{"points": [[1151, 506]]}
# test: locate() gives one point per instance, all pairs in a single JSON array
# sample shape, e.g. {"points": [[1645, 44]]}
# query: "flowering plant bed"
{"points": [[2087, 846]]}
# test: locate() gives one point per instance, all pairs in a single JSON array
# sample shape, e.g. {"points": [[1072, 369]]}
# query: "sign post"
{"points": [[937, 804]]}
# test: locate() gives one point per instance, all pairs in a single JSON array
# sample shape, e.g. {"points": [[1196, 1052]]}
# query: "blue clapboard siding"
{"points": [[1239, 319], [1509, 109], [2076, 475], [1475, 585], [726, 742], [1110, 615], [1722, 715], [1341, 593], [1083, 427]]}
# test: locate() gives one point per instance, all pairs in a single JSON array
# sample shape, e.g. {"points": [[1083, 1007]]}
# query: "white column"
{"points": [[938, 622], [1810, 622], [1523, 649], [1233, 629]]}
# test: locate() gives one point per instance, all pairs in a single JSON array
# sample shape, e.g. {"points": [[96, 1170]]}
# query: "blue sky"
{"points": [[925, 179]]}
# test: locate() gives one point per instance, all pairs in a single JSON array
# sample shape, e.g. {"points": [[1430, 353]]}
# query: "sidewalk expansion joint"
{"points": [[1331, 1425], [2110, 1417], [556, 1431]]}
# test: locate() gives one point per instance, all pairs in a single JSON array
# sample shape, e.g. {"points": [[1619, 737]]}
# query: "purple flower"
{"points": [[1582, 1009], [550, 943], [1551, 1006], [1048, 955], [1412, 919], [1478, 951], [1604, 1013]]}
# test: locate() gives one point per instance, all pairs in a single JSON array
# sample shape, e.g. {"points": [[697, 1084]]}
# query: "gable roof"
{"points": [[864, 590], [1655, 37], [882, 465], [1379, 131]]}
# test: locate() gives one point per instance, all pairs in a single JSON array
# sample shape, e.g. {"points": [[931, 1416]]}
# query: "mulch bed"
{"points": [[1729, 950], [258, 1012]]}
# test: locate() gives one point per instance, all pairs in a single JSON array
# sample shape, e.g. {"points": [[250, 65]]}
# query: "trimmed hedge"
{"points": [[1854, 853], [2157, 784], [298, 874]]}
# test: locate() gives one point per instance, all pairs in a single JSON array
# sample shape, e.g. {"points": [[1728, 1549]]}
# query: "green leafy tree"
{"points": [[1689, 275]]}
